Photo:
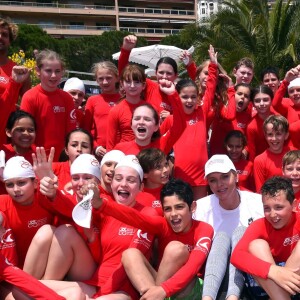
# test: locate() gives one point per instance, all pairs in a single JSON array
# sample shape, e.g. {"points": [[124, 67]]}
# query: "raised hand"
{"points": [[100, 151], [186, 57], [166, 86], [97, 200], [20, 73], [213, 56], [41, 165], [129, 42], [227, 79], [292, 74], [49, 186]]}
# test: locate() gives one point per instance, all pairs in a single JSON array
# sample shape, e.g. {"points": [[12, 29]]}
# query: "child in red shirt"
{"points": [[52, 108], [98, 107], [291, 170], [15, 276], [156, 174], [119, 118], [20, 130], [116, 236], [21, 205], [10, 97], [269, 163], [234, 143], [145, 125], [77, 141], [262, 101], [183, 243], [166, 68], [75, 87], [270, 241]]}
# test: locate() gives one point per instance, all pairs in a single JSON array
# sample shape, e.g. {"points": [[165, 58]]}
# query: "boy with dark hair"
{"points": [[269, 76], [269, 163], [183, 244], [156, 174], [271, 241]]}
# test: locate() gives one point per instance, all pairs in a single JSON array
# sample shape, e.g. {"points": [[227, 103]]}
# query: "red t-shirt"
{"points": [[119, 124], [96, 115], [285, 106], [267, 165], [257, 143], [62, 171], [244, 169], [152, 92], [8, 100], [115, 238], [54, 114], [168, 139], [281, 243], [5, 74], [24, 220], [197, 239], [151, 198]]}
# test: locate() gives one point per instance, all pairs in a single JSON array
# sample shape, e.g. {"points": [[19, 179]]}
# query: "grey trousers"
{"points": [[217, 263]]}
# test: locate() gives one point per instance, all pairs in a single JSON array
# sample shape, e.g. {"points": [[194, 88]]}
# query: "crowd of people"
{"points": [[193, 184]]}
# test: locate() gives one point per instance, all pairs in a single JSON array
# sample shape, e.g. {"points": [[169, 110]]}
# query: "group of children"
{"points": [[150, 236]]}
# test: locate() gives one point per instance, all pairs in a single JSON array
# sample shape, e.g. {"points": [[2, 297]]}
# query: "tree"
{"points": [[251, 28], [32, 37], [79, 53]]}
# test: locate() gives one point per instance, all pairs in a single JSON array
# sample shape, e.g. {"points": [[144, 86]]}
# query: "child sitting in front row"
{"points": [[183, 244], [271, 241]]}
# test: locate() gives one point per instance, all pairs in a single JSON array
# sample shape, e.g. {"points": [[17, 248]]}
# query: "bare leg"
{"points": [[38, 252], [115, 296], [199, 191], [138, 269], [175, 256], [73, 293], [261, 249], [293, 261], [68, 287], [69, 255]]}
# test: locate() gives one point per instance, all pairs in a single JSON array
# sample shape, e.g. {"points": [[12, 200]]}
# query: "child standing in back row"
{"points": [[269, 163], [52, 108], [98, 106], [119, 129]]}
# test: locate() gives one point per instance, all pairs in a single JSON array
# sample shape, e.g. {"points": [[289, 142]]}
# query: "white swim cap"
{"points": [[18, 167], [86, 164]]}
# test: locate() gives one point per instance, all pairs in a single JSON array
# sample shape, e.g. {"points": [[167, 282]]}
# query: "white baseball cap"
{"points": [[219, 163]]}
